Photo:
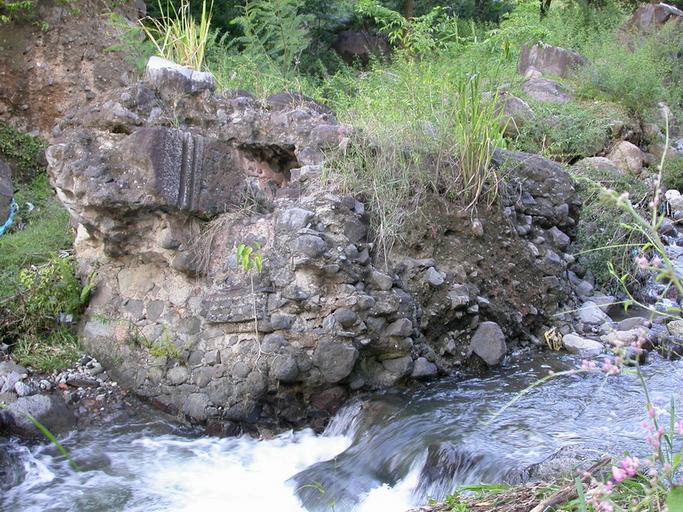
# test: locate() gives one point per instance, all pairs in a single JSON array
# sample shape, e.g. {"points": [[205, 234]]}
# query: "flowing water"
{"points": [[373, 455]]}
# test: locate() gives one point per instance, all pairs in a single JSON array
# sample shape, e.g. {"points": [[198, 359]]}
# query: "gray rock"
{"points": [[195, 406], [280, 321], [310, 245], [294, 219], [345, 317], [433, 277], [402, 327], [23, 389], [335, 360], [651, 17], [631, 323], [284, 368], [9, 381], [400, 366], [423, 369], [627, 156], [459, 296], [605, 302], [49, 410], [590, 313], [546, 91], [515, 113], [558, 238], [177, 375], [488, 343], [380, 280], [172, 80], [549, 59], [7, 367], [675, 328], [575, 344], [6, 191]]}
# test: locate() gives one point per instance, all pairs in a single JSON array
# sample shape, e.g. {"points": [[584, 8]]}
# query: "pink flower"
{"points": [[605, 506], [609, 368], [630, 465], [588, 365], [656, 262], [641, 262], [679, 427], [618, 474], [651, 412]]}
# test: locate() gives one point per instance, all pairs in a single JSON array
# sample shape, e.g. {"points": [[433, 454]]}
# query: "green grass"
{"points": [[601, 235], [46, 232], [569, 131], [54, 351]]}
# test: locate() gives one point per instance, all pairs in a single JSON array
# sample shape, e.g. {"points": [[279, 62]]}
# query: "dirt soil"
{"points": [[57, 58]]}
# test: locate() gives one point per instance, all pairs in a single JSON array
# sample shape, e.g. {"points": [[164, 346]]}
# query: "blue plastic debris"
{"points": [[13, 208]]}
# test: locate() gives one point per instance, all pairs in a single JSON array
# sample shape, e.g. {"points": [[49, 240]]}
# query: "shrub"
{"points": [[602, 237], [422, 128], [177, 36], [40, 317], [134, 47], [56, 350], [630, 76], [672, 176], [275, 30], [22, 150], [569, 131]]}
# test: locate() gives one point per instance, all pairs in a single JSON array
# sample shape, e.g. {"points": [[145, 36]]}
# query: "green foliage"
{"points": [[52, 351], [163, 347], [673, 173], [477, 132], [248, 259], [422, 128], [177, 36], [569, 131], [46, 231], [51, 289], [625, 76], [37, 319], [275, 30], [22, 150], [135, 48], [602, 236], [418, 35], [13, 10]]}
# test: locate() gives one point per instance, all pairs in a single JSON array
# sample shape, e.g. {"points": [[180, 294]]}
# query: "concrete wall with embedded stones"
{"points": [[173, 317]]}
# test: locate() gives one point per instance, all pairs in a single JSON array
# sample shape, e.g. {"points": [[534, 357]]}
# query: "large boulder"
{"points": [[6, 191], [359, 46], [488, 343], [514, 113], [650, 17], [627, 156], [547, 59], [546, 91], [165, 189], [49, 410]]}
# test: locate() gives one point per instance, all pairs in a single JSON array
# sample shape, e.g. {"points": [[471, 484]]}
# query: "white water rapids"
{"points": [[372, 457]]}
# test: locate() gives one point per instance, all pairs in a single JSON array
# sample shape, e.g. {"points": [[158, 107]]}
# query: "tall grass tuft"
{"points": [[477, 131], [177, 36]]}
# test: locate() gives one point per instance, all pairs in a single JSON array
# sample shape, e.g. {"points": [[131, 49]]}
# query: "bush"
{"points": [[602, 237], [40, 317], [672, 177], [22, 150], [637, 75], [569, 131]]}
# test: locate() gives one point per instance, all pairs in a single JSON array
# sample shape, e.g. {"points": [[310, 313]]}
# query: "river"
{"points": [[372, 457]]}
